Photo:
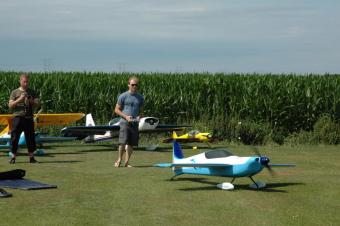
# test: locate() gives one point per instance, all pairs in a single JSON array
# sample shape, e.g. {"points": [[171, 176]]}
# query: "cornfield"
{"points": [[291, 102]]}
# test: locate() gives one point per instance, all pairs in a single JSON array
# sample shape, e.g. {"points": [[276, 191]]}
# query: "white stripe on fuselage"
{"points": [[200, 158]]}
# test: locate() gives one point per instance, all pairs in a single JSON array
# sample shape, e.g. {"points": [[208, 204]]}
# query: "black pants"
{"points": [[26, 125]]}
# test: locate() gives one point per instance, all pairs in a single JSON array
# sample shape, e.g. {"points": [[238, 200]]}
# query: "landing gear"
{"points": [[226, 185], [173, 177], [257, 185]]}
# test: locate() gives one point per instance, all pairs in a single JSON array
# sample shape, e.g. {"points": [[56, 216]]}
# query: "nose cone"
{"points": [[264, 161]]}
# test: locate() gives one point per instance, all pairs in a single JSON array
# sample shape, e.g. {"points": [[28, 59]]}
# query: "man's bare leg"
{"points": [[129, 150], [121, 150]]}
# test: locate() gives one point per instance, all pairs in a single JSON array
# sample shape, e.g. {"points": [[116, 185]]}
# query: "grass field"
{"points": [[92, 192]]}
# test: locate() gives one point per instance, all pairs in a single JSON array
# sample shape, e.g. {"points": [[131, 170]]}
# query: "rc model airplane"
{"points": [[191, 137], [93, 133], [220, 162], [39, 121]]}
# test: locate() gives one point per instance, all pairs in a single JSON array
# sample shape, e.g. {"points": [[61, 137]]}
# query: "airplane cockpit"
{"points": [[217, 153], [192, 133]]}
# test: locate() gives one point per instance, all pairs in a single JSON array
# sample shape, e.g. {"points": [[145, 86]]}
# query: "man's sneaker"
{"points": [[32, 160], [12, 160]]}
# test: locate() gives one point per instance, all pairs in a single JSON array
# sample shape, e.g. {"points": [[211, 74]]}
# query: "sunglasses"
{"points": [[134, 85]]}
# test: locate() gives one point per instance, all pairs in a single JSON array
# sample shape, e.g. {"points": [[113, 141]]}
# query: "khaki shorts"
{"points": [[128, 134]]}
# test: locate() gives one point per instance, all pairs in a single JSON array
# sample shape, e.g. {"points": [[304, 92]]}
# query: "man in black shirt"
{"points": [[21, 102]]}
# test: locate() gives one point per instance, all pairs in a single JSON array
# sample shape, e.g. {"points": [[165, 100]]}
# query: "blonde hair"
{"points": [[133, 78], [24, 75]]}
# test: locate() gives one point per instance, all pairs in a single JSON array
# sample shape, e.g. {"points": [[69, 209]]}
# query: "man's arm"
{"points": [[119, 112], [13, 103]]}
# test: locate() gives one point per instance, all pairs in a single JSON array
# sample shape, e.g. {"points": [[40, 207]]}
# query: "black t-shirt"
{"points": [[24, 108]]}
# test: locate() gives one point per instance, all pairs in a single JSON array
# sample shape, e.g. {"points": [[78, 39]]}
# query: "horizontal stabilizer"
{"points": [[282, 165], [163, 165]]}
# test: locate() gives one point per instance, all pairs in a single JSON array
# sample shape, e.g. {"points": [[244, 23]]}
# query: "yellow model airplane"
{"points": [[191, 137], [40, 120]]}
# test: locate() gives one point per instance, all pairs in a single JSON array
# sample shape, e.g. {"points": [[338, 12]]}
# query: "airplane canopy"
{"points": [[218, 153]]}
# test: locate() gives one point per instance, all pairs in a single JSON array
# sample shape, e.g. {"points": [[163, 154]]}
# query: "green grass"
{"points": [[92, 192]]}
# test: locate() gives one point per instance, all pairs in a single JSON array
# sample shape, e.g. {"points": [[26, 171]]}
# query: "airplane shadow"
{"points": [[273, 187], [269, 187]]}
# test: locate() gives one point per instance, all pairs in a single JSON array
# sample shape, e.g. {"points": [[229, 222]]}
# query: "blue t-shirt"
{"points": [[130, 104]]}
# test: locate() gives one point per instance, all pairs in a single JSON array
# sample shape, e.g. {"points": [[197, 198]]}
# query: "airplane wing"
{"points": [[52, 139], [57, 119], [45, 119], [4, 119], [281, 165], [163, 165], [165, 128], [84, 131], [181, 140]]}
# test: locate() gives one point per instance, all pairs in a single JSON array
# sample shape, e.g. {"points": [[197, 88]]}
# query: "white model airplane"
{"points": [[220, 162], [92, 133]]}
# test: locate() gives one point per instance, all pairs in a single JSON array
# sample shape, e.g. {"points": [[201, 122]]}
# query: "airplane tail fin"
{"points": [[174, 135], [89, 120], [176, 152]]}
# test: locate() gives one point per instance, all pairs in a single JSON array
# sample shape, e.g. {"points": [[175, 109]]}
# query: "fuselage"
{"points": [[234, 166]]}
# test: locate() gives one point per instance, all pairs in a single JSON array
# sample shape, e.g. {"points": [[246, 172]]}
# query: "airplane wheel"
{"points": [[226, 186]]}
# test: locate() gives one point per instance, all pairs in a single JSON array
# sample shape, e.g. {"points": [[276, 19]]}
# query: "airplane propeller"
{"points": [[264, 161]]}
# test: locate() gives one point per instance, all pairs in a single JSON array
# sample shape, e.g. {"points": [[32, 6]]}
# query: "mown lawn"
{"points": [[92, 192]]}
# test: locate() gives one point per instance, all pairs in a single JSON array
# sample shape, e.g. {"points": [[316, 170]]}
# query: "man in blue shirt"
{"points": [[129, 107]]}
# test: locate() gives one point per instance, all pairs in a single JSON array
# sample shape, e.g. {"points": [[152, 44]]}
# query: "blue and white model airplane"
{"points": [[220, 162]]}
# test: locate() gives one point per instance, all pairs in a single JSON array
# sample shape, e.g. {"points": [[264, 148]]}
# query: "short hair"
{"points": [[133, 78], [24, 75]]}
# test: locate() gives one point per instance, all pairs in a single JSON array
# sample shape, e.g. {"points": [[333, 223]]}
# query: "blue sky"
{"points": [[299, 36]]}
